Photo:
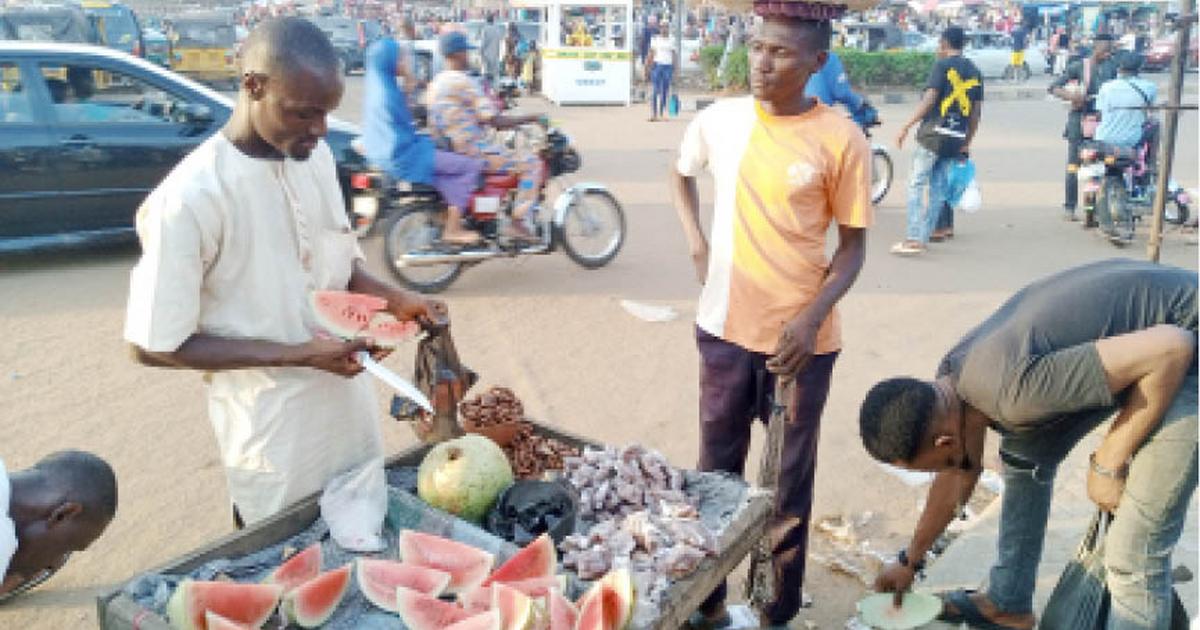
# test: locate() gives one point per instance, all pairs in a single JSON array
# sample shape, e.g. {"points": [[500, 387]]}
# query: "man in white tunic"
{"points": [[234, 241]]}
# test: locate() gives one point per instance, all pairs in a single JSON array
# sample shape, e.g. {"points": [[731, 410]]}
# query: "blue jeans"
{"points": [[928, 171], [660, 78], [1145, 528]]}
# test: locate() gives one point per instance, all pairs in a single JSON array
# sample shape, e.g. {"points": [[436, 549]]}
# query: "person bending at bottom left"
{"points": [[56, 507]]}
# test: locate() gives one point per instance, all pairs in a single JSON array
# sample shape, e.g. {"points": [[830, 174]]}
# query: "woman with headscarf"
{"points": [[393, 145]]}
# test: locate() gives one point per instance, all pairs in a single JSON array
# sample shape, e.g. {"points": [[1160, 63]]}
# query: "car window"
{"points": [[88, 94], [16, 106]]}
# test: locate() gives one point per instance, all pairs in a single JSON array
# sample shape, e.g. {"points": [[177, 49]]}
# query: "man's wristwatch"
{"points": [[917, 567]]}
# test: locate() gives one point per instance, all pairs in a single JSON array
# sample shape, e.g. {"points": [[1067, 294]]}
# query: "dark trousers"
{"points": [[945, 218], [736, 388], [1073, 160]]}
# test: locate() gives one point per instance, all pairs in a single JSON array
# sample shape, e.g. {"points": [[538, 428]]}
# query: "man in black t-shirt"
{"points": [[949, 116], [1078, 86], [1116, 339]]}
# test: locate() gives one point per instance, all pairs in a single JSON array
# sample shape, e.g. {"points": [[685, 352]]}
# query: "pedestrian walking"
{"points": [[489, 49], [785, 167], [660, 68], [948, 115], [1078, 86]]}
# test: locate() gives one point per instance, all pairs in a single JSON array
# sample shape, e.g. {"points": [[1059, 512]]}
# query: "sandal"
{"points": [[967, 611], [908, 248]]}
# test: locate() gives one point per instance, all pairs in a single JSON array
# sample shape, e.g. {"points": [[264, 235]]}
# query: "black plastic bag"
{"points": [[527, 509]]}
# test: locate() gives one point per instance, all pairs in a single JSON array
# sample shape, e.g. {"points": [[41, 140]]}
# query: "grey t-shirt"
{"points": [[1035, 359]]}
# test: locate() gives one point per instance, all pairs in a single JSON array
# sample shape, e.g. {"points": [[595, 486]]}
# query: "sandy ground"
{"points": [[554, 333]]}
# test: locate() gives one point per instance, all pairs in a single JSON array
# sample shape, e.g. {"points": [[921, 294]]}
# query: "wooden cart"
{"points": [[117, 611]]}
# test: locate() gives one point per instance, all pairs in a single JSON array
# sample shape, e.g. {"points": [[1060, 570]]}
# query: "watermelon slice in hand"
{"points": [[378, 579], [538, 559], [419, 611], [345, 314], [313, 602], [467, 566], [388, 332], [249, 604], [298, 569]]}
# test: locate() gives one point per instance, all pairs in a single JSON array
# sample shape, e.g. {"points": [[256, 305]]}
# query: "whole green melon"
{"points": [[464, 476]]}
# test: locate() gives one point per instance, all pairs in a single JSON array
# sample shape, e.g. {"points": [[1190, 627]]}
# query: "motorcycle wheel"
{"points": [[413, 230], [882, 172], [593, 229]]}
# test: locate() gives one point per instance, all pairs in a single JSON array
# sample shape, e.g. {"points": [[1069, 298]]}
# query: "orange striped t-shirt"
{"points": [[780, 181]]}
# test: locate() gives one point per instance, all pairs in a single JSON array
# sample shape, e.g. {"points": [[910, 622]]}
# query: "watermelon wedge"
{"points": [[313, 602], [217, 622], [608, 605], [621, 583], [298, 569], [468, 567], [388, 332], [378, 579], [343, 313], [516, 608], [561, 611], [249, 604], [487, 620], [419, 611], [538, 559], [476, 600]]}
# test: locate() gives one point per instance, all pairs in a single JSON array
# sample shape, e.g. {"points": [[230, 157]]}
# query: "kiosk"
{"points": [[599, 74]]}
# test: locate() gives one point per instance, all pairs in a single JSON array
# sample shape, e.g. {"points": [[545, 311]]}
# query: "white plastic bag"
{"points": [[971, 200], [354, 505]]}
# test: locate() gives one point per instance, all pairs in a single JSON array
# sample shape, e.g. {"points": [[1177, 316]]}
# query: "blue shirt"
{"points": [[830, 85], [392, 144], [1120, 123]]}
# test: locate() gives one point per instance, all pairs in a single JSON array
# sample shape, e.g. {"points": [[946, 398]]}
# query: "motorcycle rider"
{"points": [[1077, 85], [831, 86], [392, 144], [1121, 103], [459, 111]]}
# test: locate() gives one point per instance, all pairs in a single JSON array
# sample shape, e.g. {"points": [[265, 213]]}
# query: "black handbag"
{"points": [[1080, 600]]}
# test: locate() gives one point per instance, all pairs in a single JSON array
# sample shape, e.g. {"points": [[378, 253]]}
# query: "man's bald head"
{"points": [[280, 46], [83, 478]]}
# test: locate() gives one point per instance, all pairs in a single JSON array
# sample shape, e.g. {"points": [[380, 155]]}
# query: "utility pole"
{"points": [[1166, 149]]}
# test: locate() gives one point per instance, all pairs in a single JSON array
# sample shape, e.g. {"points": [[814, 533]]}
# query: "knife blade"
{"points": [[393, 380]]}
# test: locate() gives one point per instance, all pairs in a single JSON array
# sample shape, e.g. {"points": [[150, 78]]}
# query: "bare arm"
{"points": [[928, 99], [501, 121], [687, 205], [212, 353], [973, 124]]}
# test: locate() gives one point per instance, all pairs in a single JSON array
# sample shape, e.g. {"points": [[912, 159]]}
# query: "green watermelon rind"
{"points": [[180, 616], [289, 605]]}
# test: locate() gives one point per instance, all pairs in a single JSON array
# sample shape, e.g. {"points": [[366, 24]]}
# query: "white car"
{"points": [[991, 51]]}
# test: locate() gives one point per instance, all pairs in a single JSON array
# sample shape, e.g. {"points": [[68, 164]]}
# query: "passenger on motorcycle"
{"points": [[459, 111], [831, 86], [1121, 103], [394, 146]]}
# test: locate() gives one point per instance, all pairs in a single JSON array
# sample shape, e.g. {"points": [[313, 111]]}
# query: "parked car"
{"points": [[992, 53], [117, 26], [81, 153], [47, 23]]}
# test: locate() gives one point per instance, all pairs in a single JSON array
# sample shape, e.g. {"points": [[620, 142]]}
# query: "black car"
{"points": [[86, 132]]}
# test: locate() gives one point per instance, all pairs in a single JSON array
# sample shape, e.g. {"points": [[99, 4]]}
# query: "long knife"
{"points": [[395, 381]]}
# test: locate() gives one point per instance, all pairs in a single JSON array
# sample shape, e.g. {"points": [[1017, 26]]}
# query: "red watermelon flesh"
{"points": [[419, 611], [378, 579], [476, 600], [217, 622], [312, 603], [562, 612], [604, 607], [516, 608], [298, 569], [388, 332], [250, 604], [487, 620], [467, 566], [343, 313], [537, 560]]}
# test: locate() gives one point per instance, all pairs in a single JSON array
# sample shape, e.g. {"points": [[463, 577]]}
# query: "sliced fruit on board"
{"points": [[378, 579], [313, 602], [476, 600], [621, 582], [419, 611], [388, 332], [561, 611], [538, 559], [250, 604], [217, 622], [516, 608], [608, 605], [487, 620], [467, 565], [298, 569], [343, 313]]}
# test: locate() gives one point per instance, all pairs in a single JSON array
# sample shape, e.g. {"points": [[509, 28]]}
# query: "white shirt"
{"points": [[233, 246], [8, 530], [664, 50]]}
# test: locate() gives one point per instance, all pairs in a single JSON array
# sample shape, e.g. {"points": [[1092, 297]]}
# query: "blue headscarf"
{"points": [[391, 142]]}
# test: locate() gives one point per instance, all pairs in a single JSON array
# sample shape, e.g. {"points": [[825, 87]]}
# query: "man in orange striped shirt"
{"points": [[784, 168]]}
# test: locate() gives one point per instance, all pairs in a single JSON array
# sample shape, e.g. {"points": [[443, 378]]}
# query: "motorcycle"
{"points": [[882, 170], [1122, 182], [586, 220]]}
